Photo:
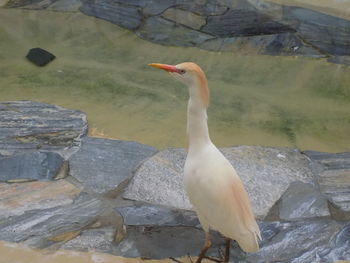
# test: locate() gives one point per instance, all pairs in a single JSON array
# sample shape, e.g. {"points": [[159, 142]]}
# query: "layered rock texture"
{"points": [[256, 26], [66, 190]]}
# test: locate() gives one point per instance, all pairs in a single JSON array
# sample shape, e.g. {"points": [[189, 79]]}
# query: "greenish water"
{"points": [[102, 70]]}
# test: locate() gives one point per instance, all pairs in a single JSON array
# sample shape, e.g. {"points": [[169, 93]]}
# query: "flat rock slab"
{"points": [[27, 126], [301, 242], [32, 166], [163, 242], [159, 179], [56, 5], [333, 177], [45, 227], [335, 185], [161, 232], [99, 239], [17, 199], [65, 5], [44, 213], [302, 201], [158, 232], [36, 4], [124, 15], [162, 31], [185, 18], [328, 33], [105, 166], [330, 161], [241, 22], [153, 215]]}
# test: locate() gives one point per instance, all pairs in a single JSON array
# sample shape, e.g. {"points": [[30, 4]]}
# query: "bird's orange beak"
{"points": [[169, 68]]}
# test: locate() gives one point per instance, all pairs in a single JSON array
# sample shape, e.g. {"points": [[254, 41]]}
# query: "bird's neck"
{"points": [[197, 127]]}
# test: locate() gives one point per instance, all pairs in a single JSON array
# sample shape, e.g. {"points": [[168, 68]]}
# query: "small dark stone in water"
{"points": [[39, 56]]}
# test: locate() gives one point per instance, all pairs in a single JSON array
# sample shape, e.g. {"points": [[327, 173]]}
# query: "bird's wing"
{"points": [[241, 203]]}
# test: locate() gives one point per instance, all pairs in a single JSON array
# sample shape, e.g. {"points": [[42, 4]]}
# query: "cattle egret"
{"points": [[211, 183]]}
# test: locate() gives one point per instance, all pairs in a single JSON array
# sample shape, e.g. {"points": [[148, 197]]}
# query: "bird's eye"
{"points": [[182, 71]]}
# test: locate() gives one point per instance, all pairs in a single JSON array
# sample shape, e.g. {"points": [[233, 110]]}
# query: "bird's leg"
{"points": [[224, 257], [207, 245], [227, 249]]}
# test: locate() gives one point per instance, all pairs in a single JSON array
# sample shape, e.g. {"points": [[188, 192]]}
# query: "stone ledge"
{"points": [[293, 186]]}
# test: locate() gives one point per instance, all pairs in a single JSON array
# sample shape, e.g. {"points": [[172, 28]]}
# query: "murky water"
{"points": [[17, 253], [102, 70]]}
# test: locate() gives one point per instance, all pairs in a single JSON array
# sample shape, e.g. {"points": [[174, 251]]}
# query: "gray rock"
{"points": [[163, 242], [56, 5], [65, 5], [32, 166], [159, 180], [240, 22], [161, 232], [17, 199], [335, 184], [209, 7], [162, 31], [45, 227], [26, 126], [334, 178], [29, 4], [288, 30], [105, 166], [99, 239], [263, 168], [302, 201], [123, 15], [185, 18], [149, 235], [328, 33], [268, 8], [45, 214], [302, 242], [206, 8], [156, 7], [275, 44], [151, 215], [340, 246], [330, 161]]}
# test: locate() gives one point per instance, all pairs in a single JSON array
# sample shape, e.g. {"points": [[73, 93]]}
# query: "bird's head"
{"points": [[192, 76]]}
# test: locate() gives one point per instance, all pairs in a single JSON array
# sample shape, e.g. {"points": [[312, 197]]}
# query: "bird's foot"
{"points": [[221, 259], [175, 260], [179, 261]]}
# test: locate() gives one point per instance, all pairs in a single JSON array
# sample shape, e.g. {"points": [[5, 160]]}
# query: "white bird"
{"points": [[211, 183]]}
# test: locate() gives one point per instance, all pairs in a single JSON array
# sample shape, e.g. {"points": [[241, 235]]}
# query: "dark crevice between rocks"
{"points": [[188, 27], [59, 138], [273, 214], [337, 213]]}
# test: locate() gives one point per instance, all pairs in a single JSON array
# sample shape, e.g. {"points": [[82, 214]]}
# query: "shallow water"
{"points": [[102, 70], [11, 252]]}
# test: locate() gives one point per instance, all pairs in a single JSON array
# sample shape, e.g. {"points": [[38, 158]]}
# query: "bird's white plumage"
{"points": [[211, 183]]}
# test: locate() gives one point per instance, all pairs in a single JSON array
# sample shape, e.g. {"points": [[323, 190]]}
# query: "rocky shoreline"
{"points": [[260, 27], [61, 189]]}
